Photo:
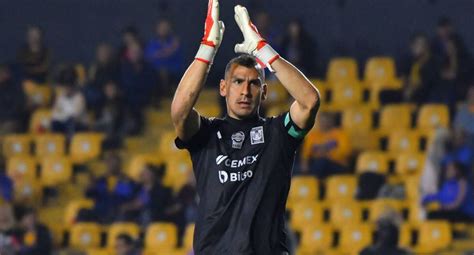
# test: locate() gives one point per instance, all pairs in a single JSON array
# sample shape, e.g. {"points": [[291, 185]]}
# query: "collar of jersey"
{"points": [[250, 120]]}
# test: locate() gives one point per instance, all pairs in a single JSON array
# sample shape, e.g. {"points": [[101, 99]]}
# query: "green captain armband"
{"points": [[293, 129]]}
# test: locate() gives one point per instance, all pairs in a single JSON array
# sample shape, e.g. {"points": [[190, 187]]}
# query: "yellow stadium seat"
{"points": [[40, 121], [416, 214], [73, 208], [357, 119], [85, 146], [303, 188], [346, 94], [395, 117], [16, 145], [38, 95], [343, 212], [412, 187], [277, 94], [306, 213], [85, 235], [355, 237], [403, 141], [138, 162], [209, 96], [209, 110], [341, 187], [382, 207], [99, 252], [55, 170], [317, 238], [431, 116], [119, 228], [28, 192], [277, 109], [380, 72], [21, 168], [49, 145], [433, 236], [161, 236], [81, 74], [372, 161], [404, 236], [178, 171], [167, 145], [409, 163], [342, 69], [188, 237]]}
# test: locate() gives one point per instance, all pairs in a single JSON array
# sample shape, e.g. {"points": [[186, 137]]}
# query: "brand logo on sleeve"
{"points": [[237, 140], [256, 135]]}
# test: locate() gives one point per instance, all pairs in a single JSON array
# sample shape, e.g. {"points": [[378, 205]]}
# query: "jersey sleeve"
{"points": [[292, 134], [198, 140]]}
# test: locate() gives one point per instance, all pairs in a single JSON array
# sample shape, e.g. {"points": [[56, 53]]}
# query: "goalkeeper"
{"points": [[242, 162]]}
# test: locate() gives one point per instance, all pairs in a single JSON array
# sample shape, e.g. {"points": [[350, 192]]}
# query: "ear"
{"points": [[264, 92], [222, 88]]}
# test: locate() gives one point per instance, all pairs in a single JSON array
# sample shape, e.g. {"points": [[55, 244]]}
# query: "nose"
{"points": [[245, 91]]}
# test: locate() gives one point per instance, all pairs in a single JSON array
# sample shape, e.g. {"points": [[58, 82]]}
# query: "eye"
{"points": [[238, 81]]}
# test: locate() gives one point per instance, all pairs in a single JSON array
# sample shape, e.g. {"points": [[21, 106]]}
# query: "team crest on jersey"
{"points": [[237, 140], [256, 135]]}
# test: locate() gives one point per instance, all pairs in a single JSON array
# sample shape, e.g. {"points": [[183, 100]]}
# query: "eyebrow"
{"points": [[256, 80]]}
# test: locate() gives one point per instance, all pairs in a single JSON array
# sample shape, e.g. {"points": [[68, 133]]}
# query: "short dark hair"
{"points": [[246, 61], [127, 239]]}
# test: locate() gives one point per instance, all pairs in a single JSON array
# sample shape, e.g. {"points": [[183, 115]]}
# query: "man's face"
{"points": [[243, 89]]}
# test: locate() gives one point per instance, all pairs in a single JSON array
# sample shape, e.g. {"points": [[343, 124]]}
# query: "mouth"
{"points": [[244, 104]]}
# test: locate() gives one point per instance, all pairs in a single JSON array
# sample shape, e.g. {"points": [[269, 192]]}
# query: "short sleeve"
{"points": [[199, 139], [288, 129]]}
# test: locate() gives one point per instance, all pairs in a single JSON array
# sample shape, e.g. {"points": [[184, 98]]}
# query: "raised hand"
{"points": [[213, 33]]}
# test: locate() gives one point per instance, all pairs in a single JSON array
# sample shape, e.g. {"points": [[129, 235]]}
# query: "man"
{"points": [[242, 162]]}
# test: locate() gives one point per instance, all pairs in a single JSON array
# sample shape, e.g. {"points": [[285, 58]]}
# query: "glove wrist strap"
{"points": [[266, 56], [206, 54]]}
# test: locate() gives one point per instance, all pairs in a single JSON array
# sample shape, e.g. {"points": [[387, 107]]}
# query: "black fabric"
{"points": [[42, 245], [243, 191], [369, 185]]}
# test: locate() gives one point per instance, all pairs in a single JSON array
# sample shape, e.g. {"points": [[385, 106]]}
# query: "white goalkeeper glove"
{"points": [[213, 33], [253, 43]]}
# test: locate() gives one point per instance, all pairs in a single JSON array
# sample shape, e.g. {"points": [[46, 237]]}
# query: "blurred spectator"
{"points": [[464, 119], [166, 54], [34, 56], [153, 202], [6, 184], [184, 210], [138, 80], [125, 245], [69, 110], [103, 70], [450, 49], [369, 185], [109, 119], [12, 103], [263, 21], [326, 149], [432, 168], [35, 237], [9, 240], [457, 149], [112, 190], [299, 48], [130, 36], [455, 196], [386, 240]]}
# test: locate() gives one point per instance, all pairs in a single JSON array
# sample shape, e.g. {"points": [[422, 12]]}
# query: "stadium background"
{"points": [[358, 29]]}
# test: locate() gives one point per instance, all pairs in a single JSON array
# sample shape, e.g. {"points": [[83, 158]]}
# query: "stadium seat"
{"points": [[431, 116], [354, 238], [405, 236], [412, 187], [55, 170], [433, 236], [342, 70], [81, 74], [303, 188], [178, 171], [167, 145], [49, 145], [372, 161], [40, 121], [381, 207], [28, 192], [138, 162], [346, 94], [395, 117], [38, 95], [16, 145], [116, 229], [343, 212], [357, 119], [380, 73], [277, 94], [416, 214], [161, 236], [21, 168], [85, 235], [409, 163], [341, 187], [73, 208], [85, 146], [403, 141], [306, 213], [209, 110], [316, 238], [99, 251], [188, 237]]}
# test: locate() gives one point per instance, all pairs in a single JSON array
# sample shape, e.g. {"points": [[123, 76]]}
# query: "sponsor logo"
{"points": [[234, 177], [256, 135], [237, 140], [236, 163]]}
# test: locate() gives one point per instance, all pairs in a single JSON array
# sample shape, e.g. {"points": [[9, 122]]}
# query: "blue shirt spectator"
{"points": [[6, 187]]}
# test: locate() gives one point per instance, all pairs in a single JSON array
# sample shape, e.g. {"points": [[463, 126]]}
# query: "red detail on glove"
{"points": [[261, 44], [273, 59], [203, 60], [208, 25]]}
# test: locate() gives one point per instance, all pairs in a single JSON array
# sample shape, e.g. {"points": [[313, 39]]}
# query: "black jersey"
{"points": [[243, 173]]}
